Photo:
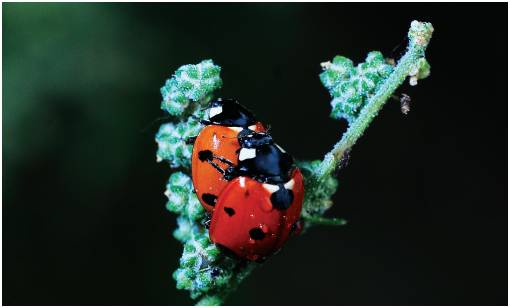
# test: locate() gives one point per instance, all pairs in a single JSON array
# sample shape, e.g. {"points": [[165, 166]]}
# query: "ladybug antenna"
{"points": [[225, 137], [399, 50], [202, 121], [268, 129], [154, 122]]}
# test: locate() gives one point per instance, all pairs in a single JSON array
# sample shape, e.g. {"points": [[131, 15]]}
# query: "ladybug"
{"points": [[260, 207], [216, 147]]}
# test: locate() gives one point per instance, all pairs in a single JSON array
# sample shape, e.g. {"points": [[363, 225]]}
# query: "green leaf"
{"points": [[190, 83]]}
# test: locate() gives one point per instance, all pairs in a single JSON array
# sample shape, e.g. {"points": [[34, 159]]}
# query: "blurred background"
{"points": [[84, 219]]}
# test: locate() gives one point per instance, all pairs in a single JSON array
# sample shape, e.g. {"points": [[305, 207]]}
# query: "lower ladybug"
{"points": [[216, 146], [260, 208]]}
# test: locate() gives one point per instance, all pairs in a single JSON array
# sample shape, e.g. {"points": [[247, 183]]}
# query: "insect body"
{"points": [[249, 223], [260, 207], [215, 148], [248, 183]]}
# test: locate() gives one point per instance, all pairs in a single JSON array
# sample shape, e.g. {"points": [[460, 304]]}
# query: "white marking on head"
{"points": [[236, 128], [289, 185], [252, 127], [247, 153], [242, 181], [279, 147], [270, 187], [214, 111]]}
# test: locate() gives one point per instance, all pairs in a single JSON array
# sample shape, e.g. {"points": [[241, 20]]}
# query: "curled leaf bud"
{"points": [[420, 33], [318, 198], [351, 87], [171, 139], [190, 83], [181, 198]]}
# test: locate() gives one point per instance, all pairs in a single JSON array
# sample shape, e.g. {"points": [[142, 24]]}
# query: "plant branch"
{"points": [[219, 298], [318, 220], [419, 37]]}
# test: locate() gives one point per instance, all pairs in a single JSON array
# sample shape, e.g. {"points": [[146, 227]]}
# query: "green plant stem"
{"points": [[318, 220], [418, 41], [219, 299]]}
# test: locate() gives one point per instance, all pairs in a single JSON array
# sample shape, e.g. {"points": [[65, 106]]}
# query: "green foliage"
{"points": [[202, 268], [171, 139], [190, 83], [181, 198], [195, 272], [420, 70], [420, 34], [174, 102], [185, 228], [351, 87], [318, 194], [210, 301]]}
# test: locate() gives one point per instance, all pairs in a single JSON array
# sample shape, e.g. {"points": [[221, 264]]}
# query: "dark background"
{"points": [[84, 219]]}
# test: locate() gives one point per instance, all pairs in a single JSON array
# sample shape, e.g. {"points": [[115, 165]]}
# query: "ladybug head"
{"points": [[251, 139], [228, 112]]}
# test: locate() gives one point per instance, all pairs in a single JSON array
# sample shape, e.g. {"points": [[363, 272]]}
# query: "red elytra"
{"points": [[222, 142], [246, 223]]}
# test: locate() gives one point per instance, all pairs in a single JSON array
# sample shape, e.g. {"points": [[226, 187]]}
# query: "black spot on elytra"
{"points": [[210, 199], [205, 155], [257, 234], [247, 193], [282, 198], [230, 211]]}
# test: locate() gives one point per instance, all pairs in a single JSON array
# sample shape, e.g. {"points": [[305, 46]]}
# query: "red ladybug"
{"points": [[215, 148], [260, 208]]}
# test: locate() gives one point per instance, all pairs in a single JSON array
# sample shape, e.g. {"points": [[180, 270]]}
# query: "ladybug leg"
{"points": [[223, 160], [202, 121], [208, 156], [206, 221], [231, 173], [205, 122], [215, 166]]}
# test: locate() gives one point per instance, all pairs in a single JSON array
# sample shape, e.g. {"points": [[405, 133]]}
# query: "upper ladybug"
{"points": [[216, 146]]}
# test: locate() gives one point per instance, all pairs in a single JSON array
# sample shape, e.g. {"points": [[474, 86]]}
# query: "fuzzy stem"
{"points": [[419, 37], [318, 220], [219, 298]]}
